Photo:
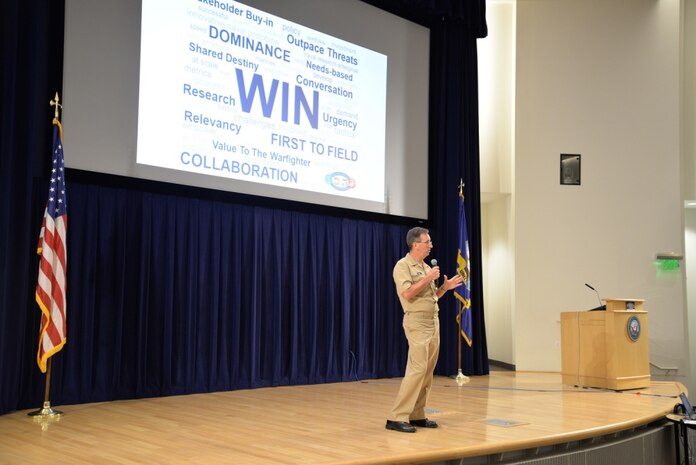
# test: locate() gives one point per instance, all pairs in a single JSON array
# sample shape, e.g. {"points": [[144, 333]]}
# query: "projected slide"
{"points": [[231, 91]]}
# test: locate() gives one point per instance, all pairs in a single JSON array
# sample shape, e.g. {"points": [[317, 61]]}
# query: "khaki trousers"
{"points": [[423, 335]]}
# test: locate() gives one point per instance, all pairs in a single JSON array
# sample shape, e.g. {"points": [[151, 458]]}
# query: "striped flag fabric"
{"points": [[52, 248], [463, 292]]}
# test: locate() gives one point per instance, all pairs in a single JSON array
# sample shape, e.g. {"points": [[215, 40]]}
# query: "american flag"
{"points": [[52, 247]]}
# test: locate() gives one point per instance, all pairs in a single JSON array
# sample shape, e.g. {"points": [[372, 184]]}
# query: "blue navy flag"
{"points": [[463, 293]]}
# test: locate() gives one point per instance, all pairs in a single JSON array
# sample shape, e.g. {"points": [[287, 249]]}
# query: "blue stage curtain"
{"points": [[175, 295], [455, 26], [172, 290], [32, 71], [454, 156]]}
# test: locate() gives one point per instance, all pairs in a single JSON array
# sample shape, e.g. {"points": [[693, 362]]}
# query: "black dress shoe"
{"points": [[400, 426], [425, 423]]}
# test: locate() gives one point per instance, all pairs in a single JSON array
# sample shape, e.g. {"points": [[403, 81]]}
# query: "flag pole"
{"points": [[461, 378], [459, 344], [46, 411]]}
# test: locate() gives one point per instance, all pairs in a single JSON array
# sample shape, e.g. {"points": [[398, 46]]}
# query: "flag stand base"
{"points": [[46, 411], [460, 378]]}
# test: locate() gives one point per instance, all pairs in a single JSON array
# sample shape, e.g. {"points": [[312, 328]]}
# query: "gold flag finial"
{"points": [[461, 187], [54, 103]]}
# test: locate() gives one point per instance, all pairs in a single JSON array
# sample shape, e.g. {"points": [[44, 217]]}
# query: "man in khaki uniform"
{"points": [[416, 285]]}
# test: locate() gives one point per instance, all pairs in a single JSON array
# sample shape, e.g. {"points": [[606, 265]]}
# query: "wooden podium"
{"points": [[606, 349]]}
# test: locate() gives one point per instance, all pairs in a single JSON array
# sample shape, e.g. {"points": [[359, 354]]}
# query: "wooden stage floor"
{"points": [[340, 423]]}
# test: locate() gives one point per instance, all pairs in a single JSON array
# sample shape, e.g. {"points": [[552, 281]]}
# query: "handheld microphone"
{"points": [[433, 263], [601, 307]]}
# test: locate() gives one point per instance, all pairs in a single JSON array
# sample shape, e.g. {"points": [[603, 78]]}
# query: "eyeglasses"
{"points": [[424, 242]]}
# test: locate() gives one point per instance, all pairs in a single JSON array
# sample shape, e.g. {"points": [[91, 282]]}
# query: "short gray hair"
{"points": [[414, 234]]}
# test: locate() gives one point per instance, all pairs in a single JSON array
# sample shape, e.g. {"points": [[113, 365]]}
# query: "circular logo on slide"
{"points": [[633, 327], [340, 181]]}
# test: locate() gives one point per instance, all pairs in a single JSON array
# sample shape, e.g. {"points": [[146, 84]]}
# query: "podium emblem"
{"points": [[633, 327]]}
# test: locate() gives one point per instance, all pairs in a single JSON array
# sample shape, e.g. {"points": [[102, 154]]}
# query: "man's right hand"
{"points": [[434, 273]]}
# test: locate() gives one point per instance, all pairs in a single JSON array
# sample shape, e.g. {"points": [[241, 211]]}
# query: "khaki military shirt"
{"points": [[407, 272]]}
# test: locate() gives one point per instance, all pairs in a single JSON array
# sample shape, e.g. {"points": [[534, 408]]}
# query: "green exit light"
{"points": [[668, 264]]}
